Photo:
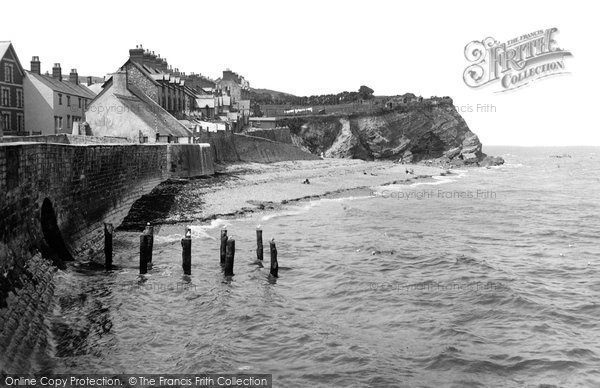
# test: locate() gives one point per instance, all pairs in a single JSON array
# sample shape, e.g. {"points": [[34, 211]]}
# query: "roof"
{"points": [[204, 102], [95, 88], [152, 113], [5, 45], [63, 86]]}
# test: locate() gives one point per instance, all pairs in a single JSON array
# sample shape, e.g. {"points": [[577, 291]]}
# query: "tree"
{"points": [[365, 92]]}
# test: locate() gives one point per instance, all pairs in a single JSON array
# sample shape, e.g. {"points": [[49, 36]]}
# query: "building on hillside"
{"points": [[199, 83], [124, 110], [157, 80], [12, 101], [234, 85], [233, 92], [52, 104]]}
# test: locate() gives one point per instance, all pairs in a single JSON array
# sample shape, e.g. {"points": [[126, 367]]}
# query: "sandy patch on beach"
{"points": [[254, 186]]}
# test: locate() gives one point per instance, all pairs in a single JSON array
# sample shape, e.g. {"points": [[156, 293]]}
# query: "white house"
{"points": [[52, 105]]}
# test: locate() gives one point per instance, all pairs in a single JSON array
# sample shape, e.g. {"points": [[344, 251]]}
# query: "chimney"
{"points": [[137, 54], [152, 60], [147, 58], [74, 77], [56, 72], [119, 82], [164, 65], [36, 66], [89, 81]]}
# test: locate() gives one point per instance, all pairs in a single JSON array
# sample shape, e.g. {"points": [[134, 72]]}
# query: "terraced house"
{"points": [[166, 86], [12, 112], [53, 105]]}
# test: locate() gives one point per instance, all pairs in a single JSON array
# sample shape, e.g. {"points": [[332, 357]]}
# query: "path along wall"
{"points": [[54, 199]]}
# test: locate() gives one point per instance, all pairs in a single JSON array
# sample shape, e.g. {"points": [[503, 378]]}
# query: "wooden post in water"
{"points": [[144, 252], [223, 246], [259, 244], [274, 265], [186, 254], [230, 254], [108, 245], [150, 232]]}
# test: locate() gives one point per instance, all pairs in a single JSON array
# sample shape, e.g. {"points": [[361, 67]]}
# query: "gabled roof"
{"points": [[65, 87], [153, 114], [6, 45]]}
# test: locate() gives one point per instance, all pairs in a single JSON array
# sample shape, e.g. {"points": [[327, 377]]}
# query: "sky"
{"points": [[316, 47]]}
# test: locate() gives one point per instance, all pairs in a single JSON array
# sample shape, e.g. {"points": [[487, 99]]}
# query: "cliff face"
{"points": [[409, 133]]}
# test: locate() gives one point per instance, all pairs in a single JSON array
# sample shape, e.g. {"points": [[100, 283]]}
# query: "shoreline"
{"points": [[244, 188]]}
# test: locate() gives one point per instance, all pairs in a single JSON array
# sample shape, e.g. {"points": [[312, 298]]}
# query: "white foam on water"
{"points": [[201, 231], [508, 165], [167, 238], [297, 210], [306, 207], [319, 202]]}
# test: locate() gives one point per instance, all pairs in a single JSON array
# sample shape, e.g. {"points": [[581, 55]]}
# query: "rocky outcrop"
{"points": [[409, 133]]}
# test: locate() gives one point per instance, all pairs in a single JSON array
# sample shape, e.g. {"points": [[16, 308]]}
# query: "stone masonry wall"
{"points": [[77, 188], [236, 147], [281, 135]]}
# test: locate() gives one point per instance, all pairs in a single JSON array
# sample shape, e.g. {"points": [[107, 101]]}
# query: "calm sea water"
{"points": [[489, 277]]}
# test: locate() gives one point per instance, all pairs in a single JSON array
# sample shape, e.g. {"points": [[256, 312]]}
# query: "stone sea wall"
{"points": [[236, 147], [54, 199]]}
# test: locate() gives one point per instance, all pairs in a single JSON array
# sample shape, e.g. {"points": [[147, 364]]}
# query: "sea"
{"points": [[488, 277]]}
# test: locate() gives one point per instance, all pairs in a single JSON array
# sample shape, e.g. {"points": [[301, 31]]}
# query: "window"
{"points": [[8, 73], [5, 97], [19, 98], [5, 121], [57, 124], [68, 100], [59, 99], [79, 102], [20, 122]]}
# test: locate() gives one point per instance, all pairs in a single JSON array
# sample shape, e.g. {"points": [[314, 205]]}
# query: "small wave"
{"points": [[434, 183], [298, 210], [339, 199], [167, 238], [509, 165]]}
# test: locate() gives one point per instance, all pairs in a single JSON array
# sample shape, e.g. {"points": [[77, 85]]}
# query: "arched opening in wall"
{"points": [[53, 246]]}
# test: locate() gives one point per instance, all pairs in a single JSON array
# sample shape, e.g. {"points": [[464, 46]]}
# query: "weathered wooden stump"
{"points": [[150, 231], [259, 244], [223, 246], [186, 253], [108, 245], [274, 265], [145, 252], [229, 257]]}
